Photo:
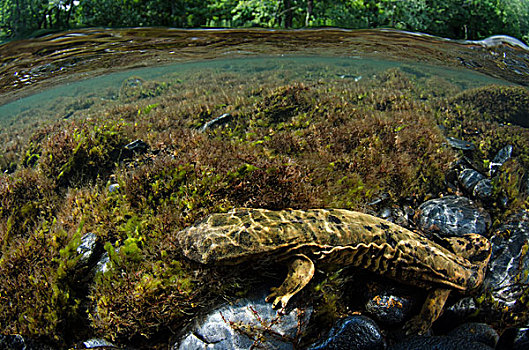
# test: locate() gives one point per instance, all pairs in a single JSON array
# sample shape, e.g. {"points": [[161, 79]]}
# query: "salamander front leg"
{"points": [[300, 272]]}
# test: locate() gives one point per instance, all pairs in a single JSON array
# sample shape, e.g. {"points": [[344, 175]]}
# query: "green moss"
{"points": [[503, 104], [507, 186], [135, 88], [25, 200], [282, 104], [142, 294], [36, 283], [80, 154]]}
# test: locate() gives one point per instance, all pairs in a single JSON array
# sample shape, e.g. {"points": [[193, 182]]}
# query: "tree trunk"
{"points": [[310, 8], [41, 24], [58, 21], [288, 13], [174, 12], [16, 19], [69, 13]]}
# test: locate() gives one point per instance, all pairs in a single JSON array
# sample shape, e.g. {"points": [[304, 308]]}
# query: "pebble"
{"points": [[439, 343], [506, 279], [353, 333], [501, 157], [113, 188], [223, 119], [514, 339], [249, 323], [476, 332], [453, 216], [460, 144]]}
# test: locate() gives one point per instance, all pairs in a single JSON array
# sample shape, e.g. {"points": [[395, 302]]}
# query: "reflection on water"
{"points": [[282, 70], [64, 57]]}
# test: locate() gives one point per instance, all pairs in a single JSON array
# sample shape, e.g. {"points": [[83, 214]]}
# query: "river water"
{"points": [[36, 71]]}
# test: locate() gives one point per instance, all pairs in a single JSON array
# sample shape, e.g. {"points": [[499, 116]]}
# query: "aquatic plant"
{"points": [[25, 200], [140, 296], [329, 142], [135, 88], [35, 281], [503, 104], [82, 153]]}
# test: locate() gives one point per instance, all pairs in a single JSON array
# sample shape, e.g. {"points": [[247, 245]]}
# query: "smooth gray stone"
{"points": [[249, 323], [453, 216]]}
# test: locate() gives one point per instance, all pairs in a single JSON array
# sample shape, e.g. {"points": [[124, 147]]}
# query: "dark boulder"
{"points": [[514, 339], [353, 333], [476, 332], [506, 278], [453, 216], [439, 343]]}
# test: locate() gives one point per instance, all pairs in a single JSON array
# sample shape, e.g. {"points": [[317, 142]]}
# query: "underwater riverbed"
{"points": [[114, 141]]}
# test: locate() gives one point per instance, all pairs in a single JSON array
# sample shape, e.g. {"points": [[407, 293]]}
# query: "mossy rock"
{"points": [[78, 155], [283, 103], [504, 104]]}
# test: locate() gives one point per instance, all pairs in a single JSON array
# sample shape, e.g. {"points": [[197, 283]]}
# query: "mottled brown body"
{"points": [[340, 237]]}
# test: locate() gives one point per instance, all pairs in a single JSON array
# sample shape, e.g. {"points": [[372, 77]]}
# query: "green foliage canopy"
{"points": [[459, 19]]}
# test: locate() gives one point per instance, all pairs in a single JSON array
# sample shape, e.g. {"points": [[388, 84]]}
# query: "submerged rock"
{"points": [[353, 333], [400, 216], [462, 310], [501, 157], [469, 178], [389, 308], [460, 144], [97, 343], [18, 342], [223, 119], [87, 247], [137, 146], [476, 332], [473, 182], [453, 216], [506, 277], [249, 323], [103, 265], [14, 342], [113, 188], [439, 342], [483, 189], [514, 339]]}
